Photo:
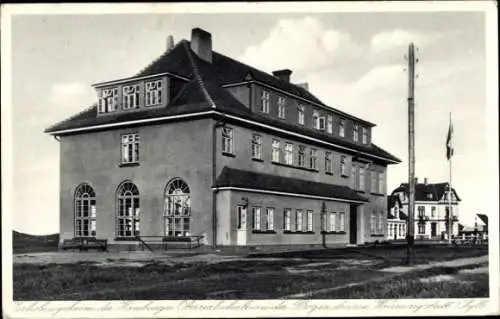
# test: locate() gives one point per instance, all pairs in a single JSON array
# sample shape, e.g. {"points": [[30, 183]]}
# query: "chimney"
{"points": [[283, 75], [170, 42], [201, 44], [304, 85], [425, 180]]}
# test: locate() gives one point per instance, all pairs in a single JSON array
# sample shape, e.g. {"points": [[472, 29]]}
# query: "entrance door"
{"points": [[353, 225], [241, 232], [433, 230]]}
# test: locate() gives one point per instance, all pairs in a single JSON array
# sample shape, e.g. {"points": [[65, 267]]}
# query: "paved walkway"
{"points": [[395, 271]]}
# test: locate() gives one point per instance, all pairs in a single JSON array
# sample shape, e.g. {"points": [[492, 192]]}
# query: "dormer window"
{"points": [[319, 120], [153, 93], [131, 96], [355, 133], [264, 102], [329, 124], [108, 100], [365, 135]]}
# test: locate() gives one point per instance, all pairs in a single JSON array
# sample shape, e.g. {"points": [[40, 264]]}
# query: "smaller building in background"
{"points": [[477, 232], [431, 209], [396, 219]]}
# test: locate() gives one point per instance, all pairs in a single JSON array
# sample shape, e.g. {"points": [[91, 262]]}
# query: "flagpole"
{"points": [[450, 213]]}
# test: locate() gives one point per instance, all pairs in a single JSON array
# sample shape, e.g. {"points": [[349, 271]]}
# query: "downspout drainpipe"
{"points": [[215, 189]]}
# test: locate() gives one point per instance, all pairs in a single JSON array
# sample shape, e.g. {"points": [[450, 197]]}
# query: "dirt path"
{"points": [[396, 271]]}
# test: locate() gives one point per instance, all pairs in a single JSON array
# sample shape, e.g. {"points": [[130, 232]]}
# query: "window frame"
{"points": [[313, 158], [128, 210], [108, 100], [310, 221], [153, 93], [227, 146], [85, 201], [301, 110], [276, 151], [289, 153], [281, 107], [342, 123], [131, 100], [129, 148], [328, 162], [256, 218], [264, 101], [269, 219], [364, 134], [287, 219], [355, 133], [329, 124], [301, 155], [343, 165], [256, 146], [299, 220]]}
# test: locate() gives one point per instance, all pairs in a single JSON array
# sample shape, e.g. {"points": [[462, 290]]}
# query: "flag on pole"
{"points": [[449, 141]]}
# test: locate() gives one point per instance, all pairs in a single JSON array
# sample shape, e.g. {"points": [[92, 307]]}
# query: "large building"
{"points": [[199, 144], [431, 208]]}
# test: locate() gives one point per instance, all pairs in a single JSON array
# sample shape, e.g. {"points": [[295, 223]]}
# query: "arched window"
{"points": [[128, 209], [85, 211], [177, 208]]}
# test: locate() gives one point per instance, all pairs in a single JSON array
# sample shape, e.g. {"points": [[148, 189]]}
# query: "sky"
{"points": [[353, 61]]}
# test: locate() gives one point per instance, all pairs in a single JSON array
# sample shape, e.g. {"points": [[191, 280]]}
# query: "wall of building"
{"points": [[166, 151], [279, 203]]}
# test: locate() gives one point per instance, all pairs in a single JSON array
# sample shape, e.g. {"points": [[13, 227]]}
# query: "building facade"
{"points": [[199, 144], [396, 219], [431, 208]]}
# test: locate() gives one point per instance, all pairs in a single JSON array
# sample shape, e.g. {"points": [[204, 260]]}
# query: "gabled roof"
{"points": [[483, 218], [391, 202], [203, 91], [437, 190], [231, 177]]}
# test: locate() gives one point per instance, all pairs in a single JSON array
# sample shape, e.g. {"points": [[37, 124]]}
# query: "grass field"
{"points": [[328, 273]]}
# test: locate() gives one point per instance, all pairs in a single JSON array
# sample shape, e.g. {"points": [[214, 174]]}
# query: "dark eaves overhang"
{"points": [[214, 112]]}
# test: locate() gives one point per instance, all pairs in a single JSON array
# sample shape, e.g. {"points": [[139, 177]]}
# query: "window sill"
{"points": [[333, 232], [328, 173], [255, 231], [128, 164], [377, 235], [377, 194], [257, 159], [125, 238], [360, 191], [298, 232], [228, 154], [344, 175], [297, 167]]}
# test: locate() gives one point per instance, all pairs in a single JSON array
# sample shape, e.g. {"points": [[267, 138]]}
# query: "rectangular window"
{"points": [[421, 228], [381, 223], [341, 127], [281, 107], [373, 223], [328, 162], [361, 179], [332, 226], [256, 146], [154, 93], [299, 220], [301, 114], [130, 97], [289, 153], [421, 211], [287, 219], [341, 225], [130, 148], [316, 119], [365, 135], [301, 156], [269, 218], [276, 151], [309, 220], [373, 186], [329, 124], [264, 102], [355, 133], [313, 159], [227, 140], [256, 218], [343, 165], [108, 101], [354, 184], [381, 189], [433, 211]]}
